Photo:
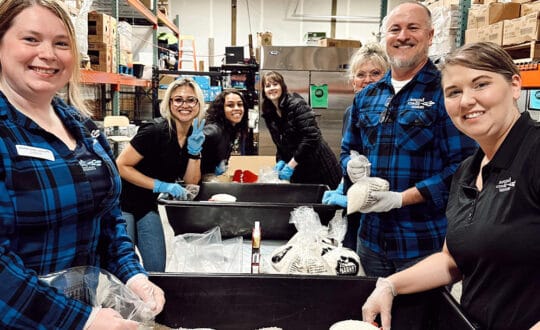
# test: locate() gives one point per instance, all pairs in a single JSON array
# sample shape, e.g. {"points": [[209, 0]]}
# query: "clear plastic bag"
{"points": [[314, 249], [268, 175], [206, 253], [99, 288]]}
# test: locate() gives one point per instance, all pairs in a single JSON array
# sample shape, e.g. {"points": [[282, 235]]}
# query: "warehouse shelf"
{"points": [[98, 77], [136, 12]]}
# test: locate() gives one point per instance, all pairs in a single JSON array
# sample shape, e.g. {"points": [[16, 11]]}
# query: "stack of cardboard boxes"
{"points": [[503, 23], [102, 42]]}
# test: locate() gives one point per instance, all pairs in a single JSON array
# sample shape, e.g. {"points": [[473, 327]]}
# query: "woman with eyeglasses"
{"points": [[302, 156], [367, 65], [226, 125], [159, 156]]}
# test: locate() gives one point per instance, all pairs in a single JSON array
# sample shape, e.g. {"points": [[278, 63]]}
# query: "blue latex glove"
{"points": [[196, 139], [331, 197], [286, 173], [173, 189], [279, 166], [221, 168]]}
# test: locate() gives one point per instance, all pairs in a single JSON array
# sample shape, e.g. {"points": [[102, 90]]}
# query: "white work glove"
{"points": [[358, 167], [385, 201], [380, 302], [150, 293], [108, 319]]}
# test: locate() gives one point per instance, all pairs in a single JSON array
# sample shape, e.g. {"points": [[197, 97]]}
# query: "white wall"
{"points": [[205, 19]]}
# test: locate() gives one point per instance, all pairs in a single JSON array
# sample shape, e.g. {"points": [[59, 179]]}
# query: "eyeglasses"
{"points": [[190, 101], [373, 75]]}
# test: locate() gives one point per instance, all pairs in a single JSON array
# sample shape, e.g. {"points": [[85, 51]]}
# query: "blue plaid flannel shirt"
{"points": [[411, 142], [48, 221]]}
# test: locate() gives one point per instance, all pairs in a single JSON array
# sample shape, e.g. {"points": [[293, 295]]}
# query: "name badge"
{"points": [[34, 152]]}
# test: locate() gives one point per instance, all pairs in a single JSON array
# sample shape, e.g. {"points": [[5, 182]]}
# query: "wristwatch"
{"points": [[197, 156]]}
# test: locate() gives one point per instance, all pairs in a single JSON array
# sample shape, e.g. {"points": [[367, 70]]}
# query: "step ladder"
{"points": [[186, 52]]}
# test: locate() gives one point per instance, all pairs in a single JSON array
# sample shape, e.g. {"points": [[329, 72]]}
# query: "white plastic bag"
{"points": [[314, 249], [206, 253], [99, 288]]}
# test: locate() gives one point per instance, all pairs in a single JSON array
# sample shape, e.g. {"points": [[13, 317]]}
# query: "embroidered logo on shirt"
{"points": [[506, 185], [420, 103], [90, 165]]}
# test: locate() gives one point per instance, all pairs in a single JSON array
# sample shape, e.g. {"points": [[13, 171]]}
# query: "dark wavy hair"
{"points": [[272, 76], [216, 113]]}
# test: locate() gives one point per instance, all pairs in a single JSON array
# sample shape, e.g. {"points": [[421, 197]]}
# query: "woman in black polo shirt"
{"points": [[492, 242]]}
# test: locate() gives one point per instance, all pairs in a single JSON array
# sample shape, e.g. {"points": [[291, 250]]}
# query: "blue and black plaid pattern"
{"points": [[49, 221], [411, 142]]}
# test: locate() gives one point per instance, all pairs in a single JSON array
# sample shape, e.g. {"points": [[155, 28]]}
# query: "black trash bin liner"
{"points": [[248, 302], [269, 203]]}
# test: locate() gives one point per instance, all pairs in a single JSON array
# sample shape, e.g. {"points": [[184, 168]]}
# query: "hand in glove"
{"points": [[279, 166], [286, 173], [331, 197], [380, 302], [358, 167], [221, 168], [174, 189], [385, 201], [150, 293], [335, 197], [108, 318], [196, 139]]}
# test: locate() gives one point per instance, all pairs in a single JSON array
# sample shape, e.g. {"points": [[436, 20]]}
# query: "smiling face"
{"points": [[481, 104], [408, 37], [184, 104], [365, 74], [36, 58], [273, 90], [233, 108]]}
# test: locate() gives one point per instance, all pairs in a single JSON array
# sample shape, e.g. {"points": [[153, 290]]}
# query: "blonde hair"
{"points": [[165, 106], [9, 9], [369, 52]]}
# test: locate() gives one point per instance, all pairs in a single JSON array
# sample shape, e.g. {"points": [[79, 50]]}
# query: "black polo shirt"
{"points": [[494, 234]]}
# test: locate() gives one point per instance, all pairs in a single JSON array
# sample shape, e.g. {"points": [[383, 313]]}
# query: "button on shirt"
{"points": [[411, 142]]}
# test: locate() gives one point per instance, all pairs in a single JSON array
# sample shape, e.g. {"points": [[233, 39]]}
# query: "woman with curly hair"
{"points": [[226, 126]]}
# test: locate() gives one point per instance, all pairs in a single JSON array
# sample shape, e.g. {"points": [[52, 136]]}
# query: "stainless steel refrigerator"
{"points": [[319, 74]]}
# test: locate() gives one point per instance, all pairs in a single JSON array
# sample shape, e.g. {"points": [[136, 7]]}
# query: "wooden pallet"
{"points": [[524, 53]]}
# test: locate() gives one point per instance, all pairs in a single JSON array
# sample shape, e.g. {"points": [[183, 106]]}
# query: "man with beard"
{"points": [[400, 124]]}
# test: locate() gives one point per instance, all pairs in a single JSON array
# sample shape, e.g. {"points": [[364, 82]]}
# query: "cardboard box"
{"points": [[495, 12], [99, 27], [494, 33], [101, 56], [472, 18], [522, 29], [329, 42], [471, 35], [529, 7]]}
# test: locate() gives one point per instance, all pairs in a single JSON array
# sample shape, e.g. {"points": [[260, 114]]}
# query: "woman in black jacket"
{"points": [[303, 156], [226, 126]]}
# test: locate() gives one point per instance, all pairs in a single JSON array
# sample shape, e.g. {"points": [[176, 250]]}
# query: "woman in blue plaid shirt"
{"points": [[59, 187]]}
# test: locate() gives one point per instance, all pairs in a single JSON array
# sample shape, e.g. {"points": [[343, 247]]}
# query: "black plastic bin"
{"points": [[269, 203], [247, 302]]}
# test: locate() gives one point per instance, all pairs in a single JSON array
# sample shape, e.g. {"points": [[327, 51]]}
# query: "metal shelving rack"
{"points": [[529, 69], [134, 10]]}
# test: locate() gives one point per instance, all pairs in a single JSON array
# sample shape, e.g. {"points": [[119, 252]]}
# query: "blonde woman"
{"points": [[157, 159]]}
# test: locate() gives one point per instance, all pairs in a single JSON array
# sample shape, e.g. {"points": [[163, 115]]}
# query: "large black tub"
{"points": [[269, 203], [246, 302]]}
